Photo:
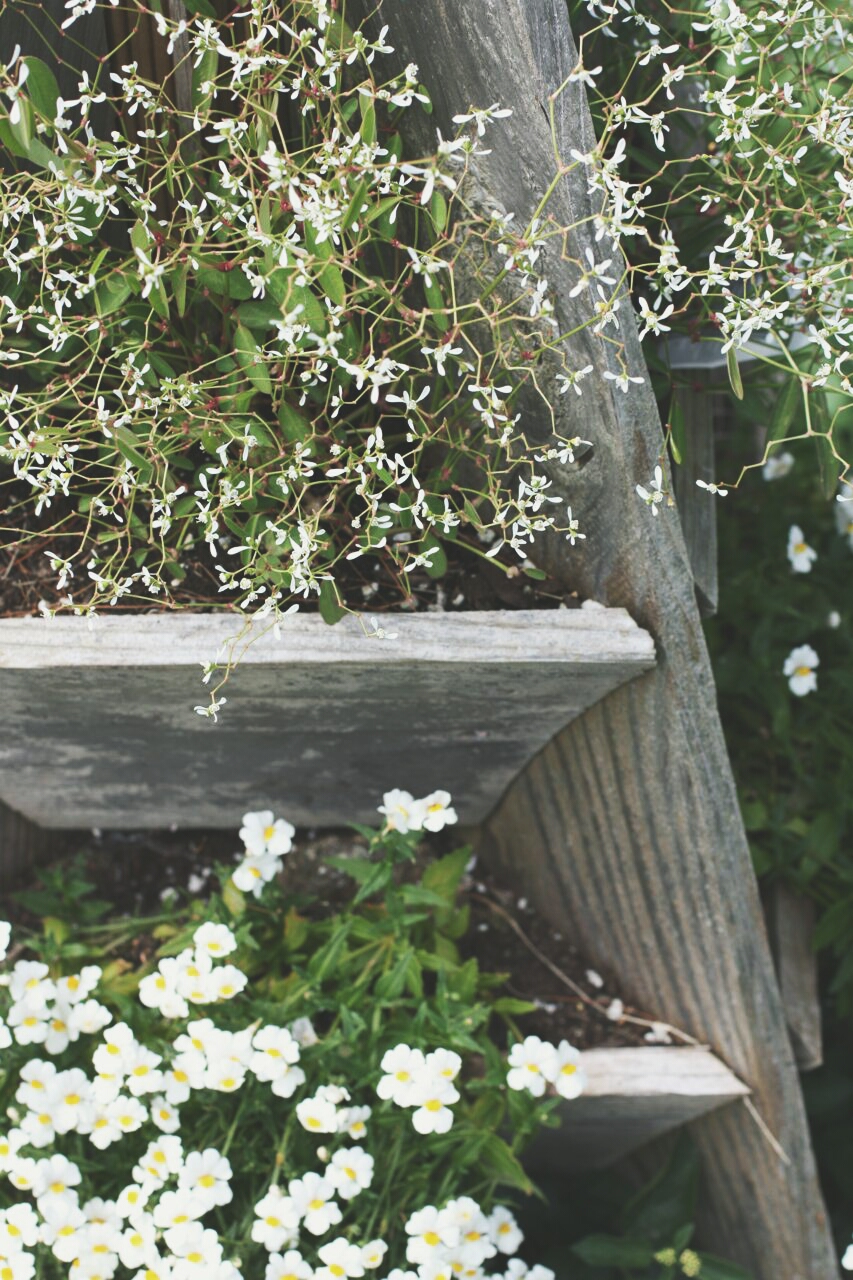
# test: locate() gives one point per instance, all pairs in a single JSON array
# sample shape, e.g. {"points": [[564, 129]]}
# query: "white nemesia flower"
{"points": [[532, 1065], [262, 834], [800, 667], [800, 554]]}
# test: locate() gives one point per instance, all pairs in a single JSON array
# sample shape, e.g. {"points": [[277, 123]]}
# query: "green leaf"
{"points": [[111, 293], [786, 407], [140, 238], [438, 209], [509, 1004], [250, 358], [41, 88], [332, 283], [828, 464], [444, 875], [325, 959], [368, 122], [294, 424], [718, 1269], [328, 603], [202, 74], [24, 127], [179, 287], [614, 1251], [296, 929], [734, 372], [234, 899], [660, 1208], [539, 575], [128, 445], [360, 869], [677, 429], [499, 1160]]}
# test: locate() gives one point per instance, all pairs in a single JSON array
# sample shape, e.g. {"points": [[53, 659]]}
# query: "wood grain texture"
{"points": [[697, 509], [23, 846], [626, 829], [790, 924], [99, 727], [631, 1097]]}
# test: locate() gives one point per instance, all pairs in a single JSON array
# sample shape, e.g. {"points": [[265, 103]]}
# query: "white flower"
{"points": [[654, 494], [216, 939], [431, 1232], [800, 669], [288, 1266], [712, 488], [532, 1064], [433, 1099], [404, 1068], [567, 1074], [833, 619], [262, 834], [373, 1253], [847, 1260], [278, 1221], [402, 812], [350, 1171], [801, 555], [435, 811], [5, 935], [317, 1115], [253, 873], [341, 1259], [504, 1231], [312, 1198], [777, 466], [206, 1174]]}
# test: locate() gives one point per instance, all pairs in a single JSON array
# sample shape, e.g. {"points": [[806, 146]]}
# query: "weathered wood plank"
{"points": [[626, 829], [697, 508], [631, 1097], [99, 727], [23, 846], [790, 925]]}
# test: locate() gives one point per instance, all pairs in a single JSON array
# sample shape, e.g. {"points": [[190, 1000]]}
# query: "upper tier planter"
{"points": [[99, 729]]}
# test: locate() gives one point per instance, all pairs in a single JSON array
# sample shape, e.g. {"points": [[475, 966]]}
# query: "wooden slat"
{"points": [[99, 726], [790, 924], [631, 1097], [626, 829], [23, 846], [697, 508]]}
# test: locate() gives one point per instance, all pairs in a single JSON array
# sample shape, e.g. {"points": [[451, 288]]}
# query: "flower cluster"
{"points": [[155, 1089], [534, 1064], [422, 1081], [259, 367], [403, 813], [266, 840]]}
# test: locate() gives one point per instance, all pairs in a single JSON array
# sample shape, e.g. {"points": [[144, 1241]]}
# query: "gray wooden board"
{"points": [[790, 924], [626, 828], [99, 727], [631, 1097]]}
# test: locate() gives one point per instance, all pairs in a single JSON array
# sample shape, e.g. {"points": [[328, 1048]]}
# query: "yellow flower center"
{"points": [[568, 1068], [433, 1105], [432, 1238], [272, 1222], [180, 1076], [402, 1076], [532, 1066], [269, 832], [207, 1180], [803, 671], [799, 548], [195, 1257], [136, 1240], [316, 1204], [73, 982], [71, 1099], [57, 1187], [113, 1048], [313, 1122], [350, 1173], [57, 1024], [336, 1269]]}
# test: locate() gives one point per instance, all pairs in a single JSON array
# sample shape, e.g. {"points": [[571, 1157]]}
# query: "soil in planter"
{"points": [[366, 585], [133, 870]]}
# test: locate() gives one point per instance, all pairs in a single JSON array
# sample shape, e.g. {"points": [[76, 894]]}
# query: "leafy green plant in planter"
{"points": [[276, 1089], [656, 1229], [787, 719], [238, 346]]}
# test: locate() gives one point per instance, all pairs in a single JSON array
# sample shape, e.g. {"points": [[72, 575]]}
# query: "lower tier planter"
{"points": [[99, 726], [632, 1096]]}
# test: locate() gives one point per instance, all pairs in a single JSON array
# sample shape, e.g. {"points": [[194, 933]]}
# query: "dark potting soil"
{"points": [[133, 870], [367, 585]]}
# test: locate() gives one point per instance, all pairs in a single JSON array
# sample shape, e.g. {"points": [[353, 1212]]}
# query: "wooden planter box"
{"points": [[99, 728], [631, 1097]]}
